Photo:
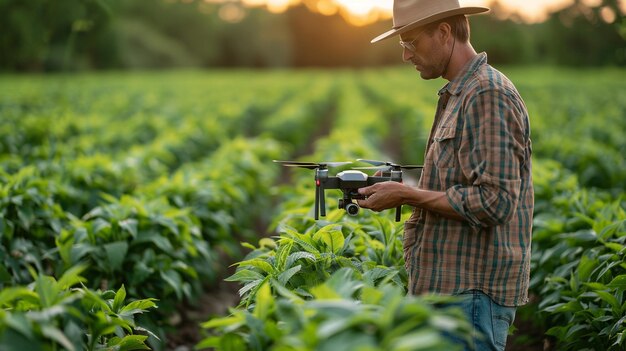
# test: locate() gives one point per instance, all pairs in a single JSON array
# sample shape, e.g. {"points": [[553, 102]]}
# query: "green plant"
{"points": [[585, 298], [52, 314], [579, 263], [300, 261], [343, 313]]}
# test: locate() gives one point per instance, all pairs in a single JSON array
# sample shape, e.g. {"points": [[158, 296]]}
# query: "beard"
{"points": [[432, 66], [431, 71]]}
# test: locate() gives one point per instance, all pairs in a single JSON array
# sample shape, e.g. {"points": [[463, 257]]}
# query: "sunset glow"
{"points": [[364, 12]]}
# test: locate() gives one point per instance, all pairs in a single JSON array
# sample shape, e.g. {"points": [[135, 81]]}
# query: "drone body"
{"points": [[349, 182]]}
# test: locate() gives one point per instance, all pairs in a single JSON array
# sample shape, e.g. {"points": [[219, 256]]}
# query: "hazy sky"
{"points": [[532, 10], [363, 12]]}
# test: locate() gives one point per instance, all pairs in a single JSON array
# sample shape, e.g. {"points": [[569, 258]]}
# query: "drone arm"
{"points": [[322, 201], [331, 183], [317, 201]]}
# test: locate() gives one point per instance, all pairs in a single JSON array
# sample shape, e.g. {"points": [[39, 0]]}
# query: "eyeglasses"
{"points": [[409, 44]]}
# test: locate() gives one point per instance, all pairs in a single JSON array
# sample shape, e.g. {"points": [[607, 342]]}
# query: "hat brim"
{"points": [[472, 10]]}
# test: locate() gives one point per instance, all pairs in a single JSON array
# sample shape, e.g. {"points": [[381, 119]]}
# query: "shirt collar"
{"points": [[455, 86]]}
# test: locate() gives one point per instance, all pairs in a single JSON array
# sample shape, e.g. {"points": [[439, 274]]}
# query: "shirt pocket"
{"points": [[413, 230], [444, 155]]}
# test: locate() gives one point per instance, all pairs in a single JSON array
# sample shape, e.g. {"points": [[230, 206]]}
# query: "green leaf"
{"points": [[608, 298], [168, 223], [129, 343], [284, 277], [595, 286], [331, 236], [557, 332], [231, 322], [99, 225], [258, 263], [116, 253], [138, 306], [254, 291], [333, 326], [299, 255], [48, 291], [20, 323], [325, 292], [95, 300], [585, 267], [64, 243], [173, 279], [8, 295], [268, 243], [573, 329], [248, 246], [619, 283], [264, 301], [303, 240], [72, 276], [120, 296], [58, 336], [157, 239], [244, 275], [418, 340], [607, 269], [571, 306], [377, 273], [371, 295], [233, 342], [619, 325], [283, 253], [26, 216], [104, 324], [614, 246], [129, 225], [249, 286], [209, 343], [281, 290]]}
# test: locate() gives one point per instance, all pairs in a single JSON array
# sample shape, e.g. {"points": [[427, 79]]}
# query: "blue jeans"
{"points": [[489, 321]]}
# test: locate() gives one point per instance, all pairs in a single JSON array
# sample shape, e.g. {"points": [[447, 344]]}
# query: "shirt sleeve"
{"points": [[491, 156]]}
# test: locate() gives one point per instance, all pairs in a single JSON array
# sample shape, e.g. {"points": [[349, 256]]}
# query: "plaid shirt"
{"points": [[479, 154]]}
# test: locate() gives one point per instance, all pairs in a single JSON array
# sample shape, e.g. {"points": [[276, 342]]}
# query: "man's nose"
{"points": [[407, 55]]}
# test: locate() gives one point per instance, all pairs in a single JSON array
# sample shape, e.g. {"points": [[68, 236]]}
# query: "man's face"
{"points": [[428, 57]]}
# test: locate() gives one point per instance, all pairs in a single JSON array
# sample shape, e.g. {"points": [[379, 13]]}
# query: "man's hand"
{"points": [[386, 195], [383, 196]]}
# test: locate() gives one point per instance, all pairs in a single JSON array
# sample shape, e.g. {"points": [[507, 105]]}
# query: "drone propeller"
{"points": [[386, 165], [311, 165]]}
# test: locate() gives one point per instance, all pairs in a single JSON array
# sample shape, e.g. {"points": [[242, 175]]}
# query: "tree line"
{"points": [[74, 35]]}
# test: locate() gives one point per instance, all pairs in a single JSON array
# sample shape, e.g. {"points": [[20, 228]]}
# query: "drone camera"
{"points": [[352, 209]]}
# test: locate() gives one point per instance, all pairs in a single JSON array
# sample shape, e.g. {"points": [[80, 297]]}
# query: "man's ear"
{"points": [[444, 31]]}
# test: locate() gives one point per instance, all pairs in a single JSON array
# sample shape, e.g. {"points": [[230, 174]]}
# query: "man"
{"points": [[470, 231]]}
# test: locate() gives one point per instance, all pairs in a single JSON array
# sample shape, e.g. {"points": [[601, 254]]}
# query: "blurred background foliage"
{"points": [[76, 35]]}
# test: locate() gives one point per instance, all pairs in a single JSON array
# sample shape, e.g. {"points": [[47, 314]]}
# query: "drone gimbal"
{"points": [[349, 182]]}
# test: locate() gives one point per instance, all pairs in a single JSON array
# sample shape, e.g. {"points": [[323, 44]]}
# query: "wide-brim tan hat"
{"points": [[410, 14]]}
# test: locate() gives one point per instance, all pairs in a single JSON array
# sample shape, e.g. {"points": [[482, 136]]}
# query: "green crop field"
{"points": [[126, 199]]}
